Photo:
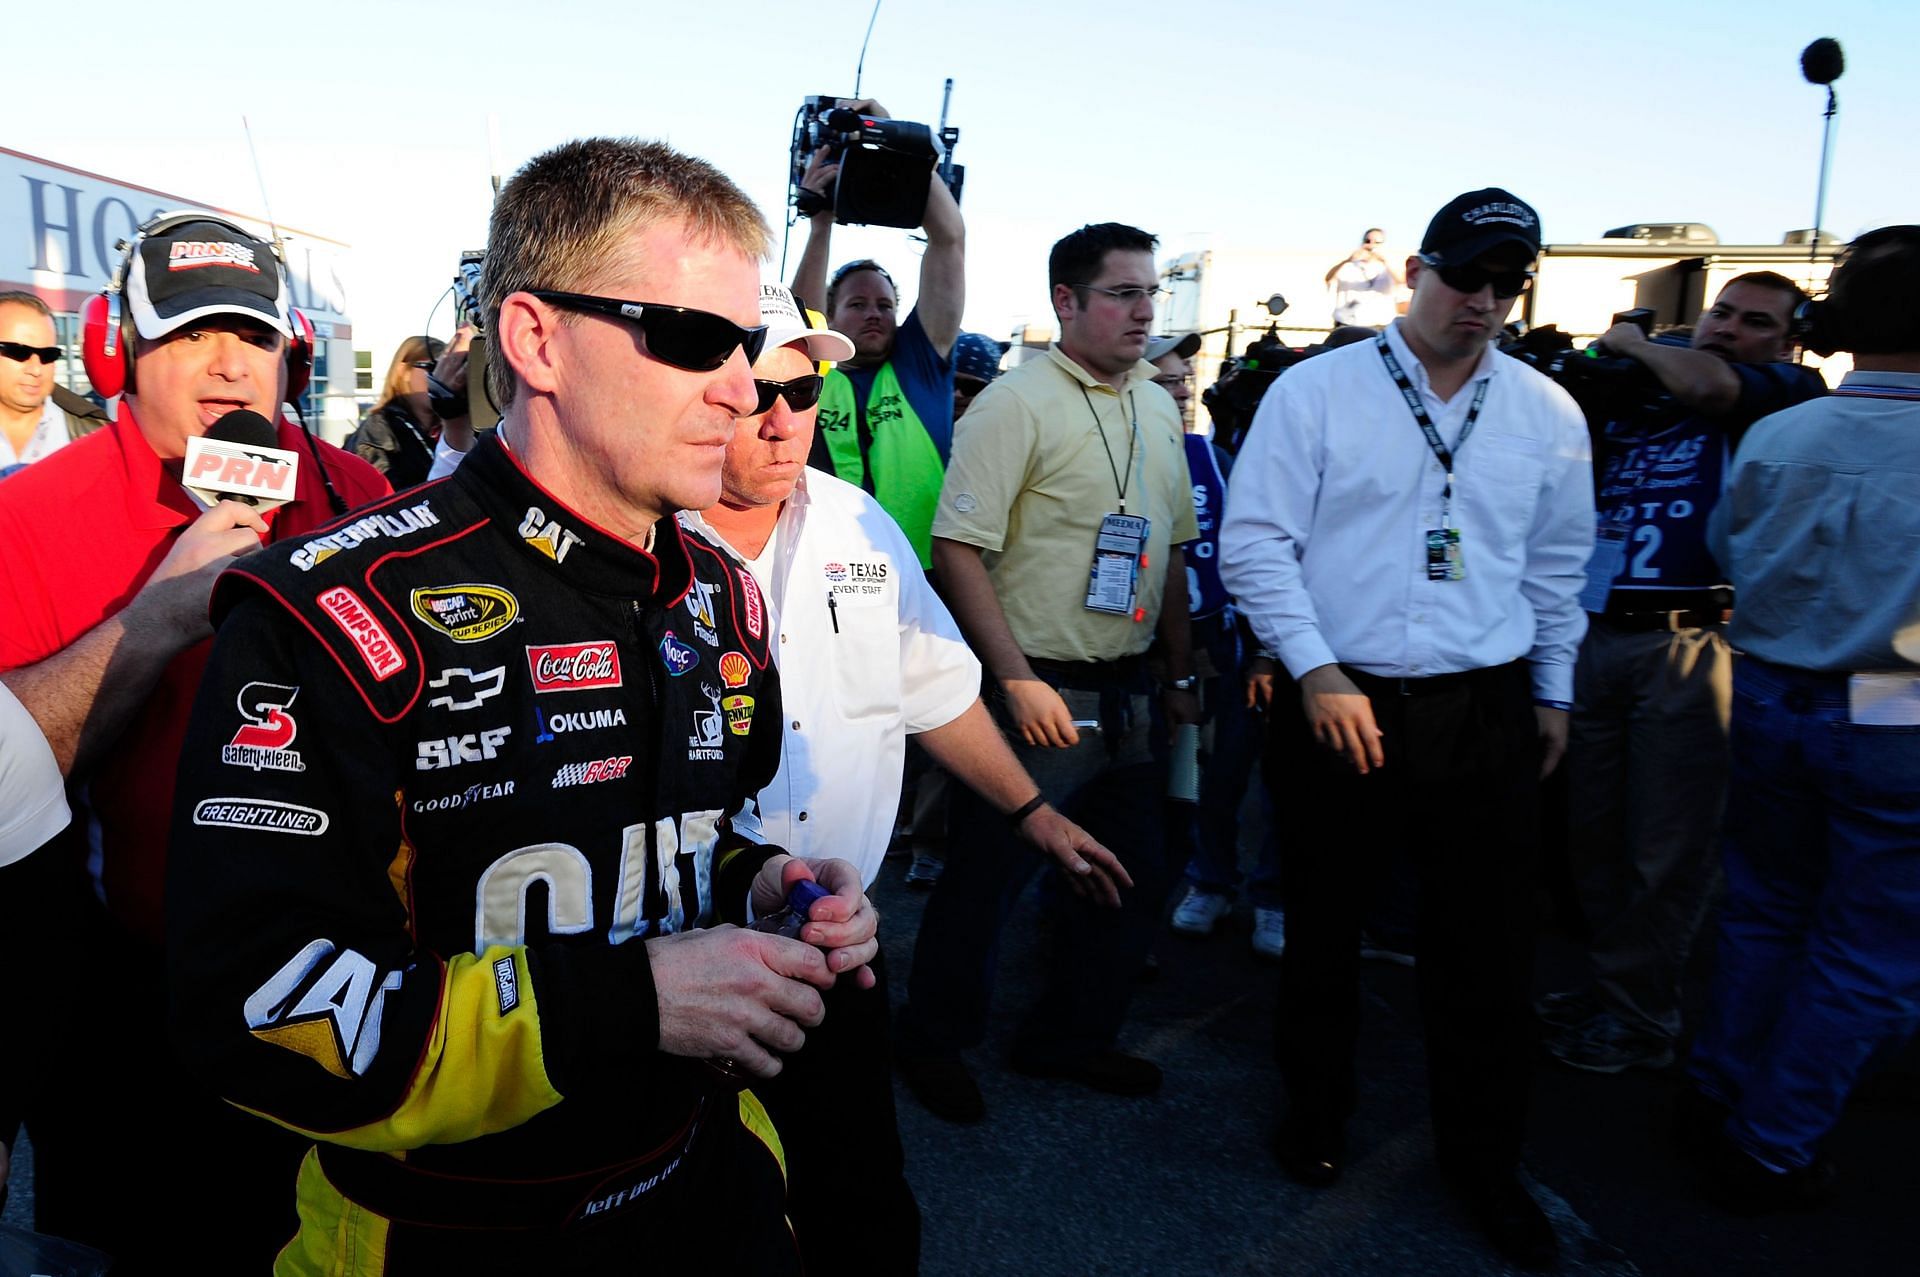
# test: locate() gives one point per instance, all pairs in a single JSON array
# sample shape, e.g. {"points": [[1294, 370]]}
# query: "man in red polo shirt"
{"points": [[104, 593]]}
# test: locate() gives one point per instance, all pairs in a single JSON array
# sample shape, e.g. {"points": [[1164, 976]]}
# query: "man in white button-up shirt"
{"points": [[1407, 529], [868, 655]]}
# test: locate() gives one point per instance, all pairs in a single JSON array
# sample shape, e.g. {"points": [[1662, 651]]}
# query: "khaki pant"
{"points": [[1647, 775]]}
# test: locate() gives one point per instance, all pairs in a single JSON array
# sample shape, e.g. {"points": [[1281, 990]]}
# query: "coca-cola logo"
{"points": [[574, 667]]}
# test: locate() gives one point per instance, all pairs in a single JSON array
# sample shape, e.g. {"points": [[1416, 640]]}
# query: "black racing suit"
{"points": [[453, 760]]}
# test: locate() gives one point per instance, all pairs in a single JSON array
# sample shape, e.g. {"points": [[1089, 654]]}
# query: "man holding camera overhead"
{"points": [[1406, 530], [886, 415]]}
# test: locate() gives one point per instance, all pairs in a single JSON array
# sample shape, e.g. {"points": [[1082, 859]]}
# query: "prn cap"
{"points": [[205, 268]]}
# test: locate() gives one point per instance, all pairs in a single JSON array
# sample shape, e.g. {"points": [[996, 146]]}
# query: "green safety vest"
{"points": [[885, 449]]}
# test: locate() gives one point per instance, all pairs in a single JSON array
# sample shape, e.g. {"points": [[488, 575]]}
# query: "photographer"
{"points": [[1647, 757], [886, 416], [1816, 968]]}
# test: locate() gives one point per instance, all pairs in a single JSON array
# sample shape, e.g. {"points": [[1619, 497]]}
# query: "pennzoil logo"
{"points": [[370, 638], [466, 613], [546, 535], [739, 711]]}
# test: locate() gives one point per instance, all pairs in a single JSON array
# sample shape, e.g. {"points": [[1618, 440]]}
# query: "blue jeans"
{"points": [[1115, 787], [1819, 960]]}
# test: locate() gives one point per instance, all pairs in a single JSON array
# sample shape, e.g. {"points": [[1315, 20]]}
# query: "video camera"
{"points": [[1607, 387], [1244, 380], [482, 408], [883, 163]]}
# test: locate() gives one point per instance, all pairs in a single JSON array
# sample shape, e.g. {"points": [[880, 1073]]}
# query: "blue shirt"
{"points": [[1659, 476], [1820, 530], [925, 378]]}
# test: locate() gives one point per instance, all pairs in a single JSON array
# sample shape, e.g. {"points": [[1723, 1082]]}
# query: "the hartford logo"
{"points": [[592, 773]]}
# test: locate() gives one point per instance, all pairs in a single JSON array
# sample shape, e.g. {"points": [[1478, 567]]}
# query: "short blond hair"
{"points": [[562, 220]]}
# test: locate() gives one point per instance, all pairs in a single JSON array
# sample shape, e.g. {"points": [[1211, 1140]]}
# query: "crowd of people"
{"points": [[431, 849]]}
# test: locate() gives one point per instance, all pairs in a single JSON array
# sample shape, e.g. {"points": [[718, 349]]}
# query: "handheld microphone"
{"points": [[239, 460]]}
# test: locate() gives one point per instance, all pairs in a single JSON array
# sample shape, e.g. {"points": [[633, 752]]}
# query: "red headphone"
{"points": [[102, 351]]}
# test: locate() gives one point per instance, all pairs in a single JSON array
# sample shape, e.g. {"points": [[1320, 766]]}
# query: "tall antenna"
{"points": [[260, 176], [861, 66]]}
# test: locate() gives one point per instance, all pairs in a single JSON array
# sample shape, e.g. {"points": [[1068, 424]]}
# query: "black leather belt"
{"points": [[1376, 684], [1684, 619]]}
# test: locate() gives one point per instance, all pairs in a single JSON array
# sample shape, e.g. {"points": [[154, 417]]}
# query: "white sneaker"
{"points": [[1199, 910], [1269, 932]]}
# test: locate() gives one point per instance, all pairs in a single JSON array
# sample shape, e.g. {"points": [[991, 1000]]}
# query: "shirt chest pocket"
{"points": [[1497, 481], [863, 638]]}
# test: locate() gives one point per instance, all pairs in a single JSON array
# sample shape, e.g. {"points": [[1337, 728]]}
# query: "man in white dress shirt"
{"points": [[1408, 527], [868, 655]]}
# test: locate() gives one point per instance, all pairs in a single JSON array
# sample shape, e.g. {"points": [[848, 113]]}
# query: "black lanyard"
{"points": [[1119, 484], [1419, 410]]}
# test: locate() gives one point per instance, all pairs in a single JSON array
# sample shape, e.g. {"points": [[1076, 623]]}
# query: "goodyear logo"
{"points": [[466, 613]]}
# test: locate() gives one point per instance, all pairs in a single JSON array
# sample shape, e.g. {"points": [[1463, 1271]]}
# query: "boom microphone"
{"points": [[239, 460], [1822, 62]]}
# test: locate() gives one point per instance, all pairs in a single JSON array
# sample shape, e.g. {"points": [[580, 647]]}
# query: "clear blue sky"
{"points": [[1278, 124]]}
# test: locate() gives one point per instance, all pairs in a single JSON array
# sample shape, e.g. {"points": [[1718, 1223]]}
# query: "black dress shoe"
{"points": [[1114, 1072], [1698, 1122], [1506, 1212], [1310, 1158], [944, 1085], [1737, 1182]]}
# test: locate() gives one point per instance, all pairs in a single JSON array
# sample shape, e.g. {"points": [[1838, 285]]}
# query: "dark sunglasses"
{"points": [[1471, 279], [801, 393], [20, 352], [696, 340]]}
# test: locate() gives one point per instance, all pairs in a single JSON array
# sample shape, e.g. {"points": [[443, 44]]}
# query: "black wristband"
{"points": [[1018, 816]]}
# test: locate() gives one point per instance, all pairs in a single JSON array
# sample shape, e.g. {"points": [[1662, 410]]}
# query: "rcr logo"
{"points": [[451, 751]]}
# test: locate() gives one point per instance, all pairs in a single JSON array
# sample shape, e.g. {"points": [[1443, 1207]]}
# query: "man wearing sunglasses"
{"points": [[37, 414], [476, 812], [868, 655], [886, 418], [1647, 760], [1406, 530]]}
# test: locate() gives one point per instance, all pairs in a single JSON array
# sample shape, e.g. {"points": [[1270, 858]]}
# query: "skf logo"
{"points": [[370, 638], [451, 751], [677, 656], [739, 714], [756, 615], [592, 773], [191, 254], [416, 518], [546, 535], [466, 689], [734, 670], [466, 613], [574, 667], [325, 1005], [268, 730]]}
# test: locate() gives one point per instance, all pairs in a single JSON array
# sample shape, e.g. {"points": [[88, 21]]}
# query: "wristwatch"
{"points": [[1186, 684]]}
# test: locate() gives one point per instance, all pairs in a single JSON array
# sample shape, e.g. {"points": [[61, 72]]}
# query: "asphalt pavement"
{"points": [[1061, 1180]]}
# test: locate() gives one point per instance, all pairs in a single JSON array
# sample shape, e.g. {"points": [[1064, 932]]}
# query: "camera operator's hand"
{"points": [[823, 170], [865, 106], [1623, 339], [451, 372]]}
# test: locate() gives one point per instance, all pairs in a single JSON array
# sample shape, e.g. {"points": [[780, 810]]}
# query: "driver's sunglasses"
{"points": [[20, 352], [696, 340], [1471, 279], [801, 393]]}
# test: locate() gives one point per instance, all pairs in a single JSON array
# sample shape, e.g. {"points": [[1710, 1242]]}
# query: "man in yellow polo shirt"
{"points": [[1056, 539]]}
